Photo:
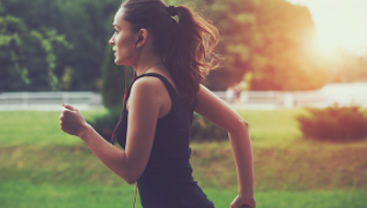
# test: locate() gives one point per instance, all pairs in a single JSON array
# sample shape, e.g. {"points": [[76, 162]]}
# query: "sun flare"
{"points": [[339, 23]]}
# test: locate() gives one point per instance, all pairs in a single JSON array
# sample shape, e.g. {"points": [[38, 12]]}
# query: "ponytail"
{"points": [[186, 45], [192, 52]]}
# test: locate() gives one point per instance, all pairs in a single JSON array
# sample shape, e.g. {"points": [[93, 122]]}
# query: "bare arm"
{"points": [[222, 115], [129, 164]]}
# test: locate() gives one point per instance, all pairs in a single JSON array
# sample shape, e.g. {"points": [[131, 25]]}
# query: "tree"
{"points": [[269, 43], [293, 63], [88, 25], [28, 54], [83, 24]]}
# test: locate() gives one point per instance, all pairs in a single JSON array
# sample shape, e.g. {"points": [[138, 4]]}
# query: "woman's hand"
{"points": [[241, 201], [71, 120]]}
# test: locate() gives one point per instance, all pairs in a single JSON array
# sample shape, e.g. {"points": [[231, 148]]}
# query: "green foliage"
{"points": [[88, 25], [10, 44], [334, 124], [203, 130], [67, 78], [28, 54], [38, 34], [105, 123], [47, 40]]}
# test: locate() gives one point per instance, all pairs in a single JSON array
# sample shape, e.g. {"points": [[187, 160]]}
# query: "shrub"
{"points": [[334, 124], [202, 129], [105, 123]]}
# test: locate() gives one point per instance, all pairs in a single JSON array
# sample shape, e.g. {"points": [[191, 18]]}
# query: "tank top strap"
{"points": [[168, 85], [170, 88]]}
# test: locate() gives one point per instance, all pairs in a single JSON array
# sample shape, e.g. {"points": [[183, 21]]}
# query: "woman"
{"points": [[167, 47]]}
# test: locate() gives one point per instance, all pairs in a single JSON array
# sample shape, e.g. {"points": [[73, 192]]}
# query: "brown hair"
{"points": [[186, 45]]}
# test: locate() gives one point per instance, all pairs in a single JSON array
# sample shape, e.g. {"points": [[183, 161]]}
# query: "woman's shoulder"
{"points": [[145, 93], [149, 93], [147, 86], [159, 81]]}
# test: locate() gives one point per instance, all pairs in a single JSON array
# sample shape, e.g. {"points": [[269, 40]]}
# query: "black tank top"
{"points": [[167, 179]]}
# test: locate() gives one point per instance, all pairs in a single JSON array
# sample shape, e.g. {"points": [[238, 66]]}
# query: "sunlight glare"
{"points": [[339, 23]]}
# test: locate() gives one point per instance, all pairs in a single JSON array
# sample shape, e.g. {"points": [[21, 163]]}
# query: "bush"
{"points": [[334, 124], [202, 129], [105, 123]]}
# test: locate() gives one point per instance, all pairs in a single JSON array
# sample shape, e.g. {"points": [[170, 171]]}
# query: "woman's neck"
{"points": [[146, 63]]}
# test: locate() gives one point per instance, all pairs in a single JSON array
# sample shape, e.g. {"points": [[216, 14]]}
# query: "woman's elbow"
{"points": [[243, 123], [130, 180], [238, 125], [131, 177]]}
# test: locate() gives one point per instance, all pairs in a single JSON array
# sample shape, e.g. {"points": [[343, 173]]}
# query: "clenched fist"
{"points": [[72, 121]]}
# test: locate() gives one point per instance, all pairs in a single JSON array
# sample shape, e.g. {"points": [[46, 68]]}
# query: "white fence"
{"points": [[348, 94], [275, 100], [332, 94], [48, 101]]}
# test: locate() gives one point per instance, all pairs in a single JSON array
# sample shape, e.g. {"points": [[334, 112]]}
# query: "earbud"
{"points": [[139, 39]]}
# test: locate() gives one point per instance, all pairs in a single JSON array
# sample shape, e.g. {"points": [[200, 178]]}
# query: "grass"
{"points": [[35, 128], [42, 167], [20, 194], [273, 128], [42, 128], [303, 167]]}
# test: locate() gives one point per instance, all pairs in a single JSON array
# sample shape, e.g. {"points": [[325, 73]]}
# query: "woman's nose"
{"points": [[111, 41]]}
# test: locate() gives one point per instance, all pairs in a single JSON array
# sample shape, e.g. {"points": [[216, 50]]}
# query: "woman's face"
{"points": [[122, 40]]}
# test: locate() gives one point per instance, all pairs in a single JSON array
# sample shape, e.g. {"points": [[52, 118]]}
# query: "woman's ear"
{"points": [[142, 37]]}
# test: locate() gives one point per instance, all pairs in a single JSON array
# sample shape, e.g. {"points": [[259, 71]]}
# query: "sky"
{"points": [[339, 23]]}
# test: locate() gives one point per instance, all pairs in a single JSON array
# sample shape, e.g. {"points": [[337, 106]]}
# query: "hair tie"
{"points": [[172, 11]]}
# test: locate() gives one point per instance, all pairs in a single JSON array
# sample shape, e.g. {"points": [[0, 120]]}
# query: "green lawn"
{"points": [[268, 128], [40, 166], [17, 194]]}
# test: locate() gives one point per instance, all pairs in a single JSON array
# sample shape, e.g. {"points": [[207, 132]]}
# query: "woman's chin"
{"points": [[118, 62], [122, 62]]}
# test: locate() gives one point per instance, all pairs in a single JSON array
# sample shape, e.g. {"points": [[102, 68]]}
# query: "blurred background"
{"points": [[295, 69], [313, 50]]}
